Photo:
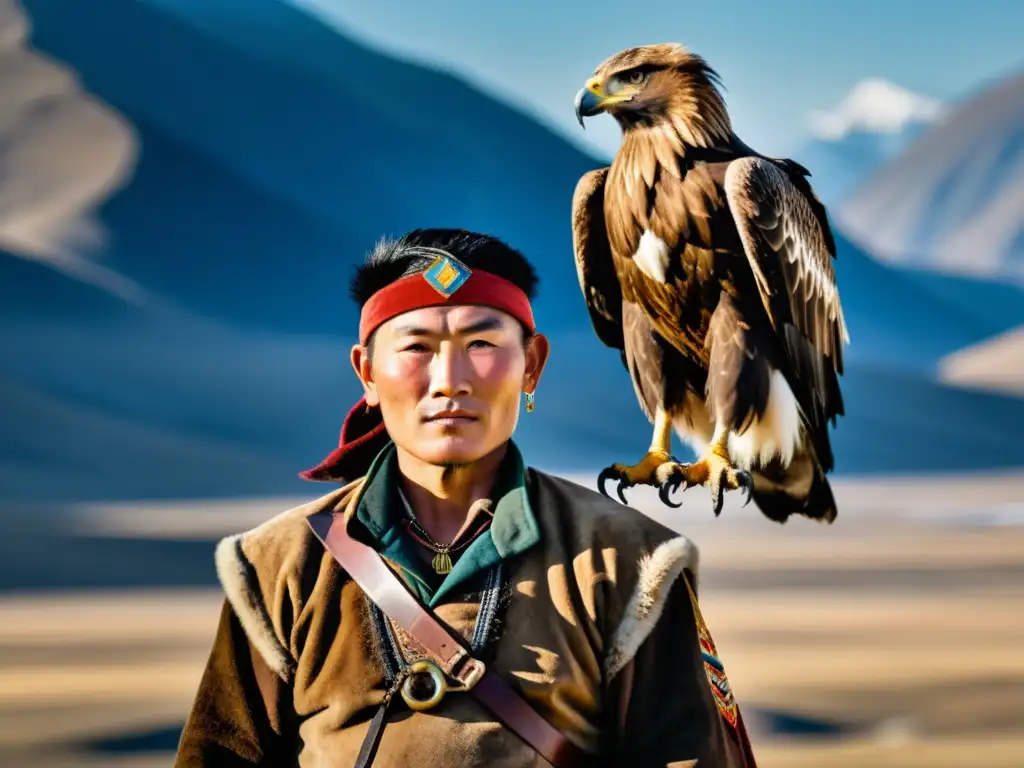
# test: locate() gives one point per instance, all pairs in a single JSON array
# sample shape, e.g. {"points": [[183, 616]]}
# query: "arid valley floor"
{"points": [[893, 638]]}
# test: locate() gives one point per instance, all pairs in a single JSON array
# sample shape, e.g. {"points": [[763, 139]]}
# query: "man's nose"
{"points": [[450, 372]]}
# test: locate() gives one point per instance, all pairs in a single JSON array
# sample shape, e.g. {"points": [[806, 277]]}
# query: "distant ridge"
{"points": [[995, 365], [953, 202]]}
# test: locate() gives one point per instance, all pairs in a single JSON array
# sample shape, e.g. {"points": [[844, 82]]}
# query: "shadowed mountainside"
{"points": [[954, 200]]}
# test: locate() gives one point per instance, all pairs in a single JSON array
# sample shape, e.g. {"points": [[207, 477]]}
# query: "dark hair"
{"points": [[392, 259]]}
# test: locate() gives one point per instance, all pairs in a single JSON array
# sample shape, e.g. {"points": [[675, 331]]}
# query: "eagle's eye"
{"points": [[631, 78]]}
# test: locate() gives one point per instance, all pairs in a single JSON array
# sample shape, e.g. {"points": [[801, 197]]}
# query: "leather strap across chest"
{"points": [[386, 589]]}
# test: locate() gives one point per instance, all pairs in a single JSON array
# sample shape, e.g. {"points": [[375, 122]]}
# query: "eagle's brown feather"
{"points": [[788, 254], [679, 211], [594, 263]]}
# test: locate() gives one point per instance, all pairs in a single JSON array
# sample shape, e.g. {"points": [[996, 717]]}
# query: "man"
{"points": [[575, 616]]}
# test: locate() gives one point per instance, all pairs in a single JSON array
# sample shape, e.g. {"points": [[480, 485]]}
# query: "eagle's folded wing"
{"points": [[594, 264], [790, 252]]}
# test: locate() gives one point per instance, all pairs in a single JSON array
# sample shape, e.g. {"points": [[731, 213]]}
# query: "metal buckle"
{"points": [[474, 671], [440, 682]]}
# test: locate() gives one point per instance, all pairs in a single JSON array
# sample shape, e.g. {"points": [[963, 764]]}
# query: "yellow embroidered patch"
{"points": [[447, 275]]}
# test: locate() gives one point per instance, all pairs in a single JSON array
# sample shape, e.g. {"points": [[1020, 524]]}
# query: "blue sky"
{"points": [[779, 59]]}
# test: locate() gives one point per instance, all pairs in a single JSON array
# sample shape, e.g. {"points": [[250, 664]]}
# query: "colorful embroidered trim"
{"points": [[713, 667]]}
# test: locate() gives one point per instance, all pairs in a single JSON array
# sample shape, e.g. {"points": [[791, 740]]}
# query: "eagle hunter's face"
{"points": [[449, 380], [635, 85]]}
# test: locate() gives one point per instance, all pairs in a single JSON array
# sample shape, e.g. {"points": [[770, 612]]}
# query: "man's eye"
{"points": [[480, 343], [415, 348]]}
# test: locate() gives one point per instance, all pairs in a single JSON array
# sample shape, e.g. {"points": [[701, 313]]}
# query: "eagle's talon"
{"points": [[718, 492], [745, 482], [601, 480], [613, 473], [667, 487], [653, 469]]}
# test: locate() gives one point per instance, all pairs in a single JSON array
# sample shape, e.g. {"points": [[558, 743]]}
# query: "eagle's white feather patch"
{"points": [[776, 433], [692, 423], [652, 256], [658, 572]]}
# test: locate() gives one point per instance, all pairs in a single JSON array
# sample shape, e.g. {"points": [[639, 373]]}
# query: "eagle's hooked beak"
{"points": [[590, 100]]}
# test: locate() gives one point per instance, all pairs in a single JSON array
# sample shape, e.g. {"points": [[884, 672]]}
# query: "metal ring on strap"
{"points": [[470, 677], [429, 668]]}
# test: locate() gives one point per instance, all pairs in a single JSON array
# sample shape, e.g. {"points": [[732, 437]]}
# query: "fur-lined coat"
{"points": [[598, 628]]}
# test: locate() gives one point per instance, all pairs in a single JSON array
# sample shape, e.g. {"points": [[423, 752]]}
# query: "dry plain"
{"points": [[893, 638]]}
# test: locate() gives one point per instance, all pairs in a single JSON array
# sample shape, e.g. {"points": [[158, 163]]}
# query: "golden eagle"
{"points": [[709, 266]]}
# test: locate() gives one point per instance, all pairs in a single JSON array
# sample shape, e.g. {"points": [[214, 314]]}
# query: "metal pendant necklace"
{"points": [[442, 560]]}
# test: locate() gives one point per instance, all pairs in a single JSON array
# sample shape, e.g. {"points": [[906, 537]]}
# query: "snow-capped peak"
{"points": [[877, 106]]}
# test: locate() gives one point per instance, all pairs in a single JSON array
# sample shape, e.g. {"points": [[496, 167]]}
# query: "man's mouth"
{"points": [[450, 417]]}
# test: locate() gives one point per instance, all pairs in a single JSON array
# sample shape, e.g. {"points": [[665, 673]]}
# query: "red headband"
{"points": [[446, 281]]}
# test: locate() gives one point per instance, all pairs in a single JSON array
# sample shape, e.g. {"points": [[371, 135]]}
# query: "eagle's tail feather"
{"points": [[801, 488]]}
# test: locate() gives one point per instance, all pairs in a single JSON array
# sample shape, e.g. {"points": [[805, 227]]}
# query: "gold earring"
{"points": [[529, 401]]}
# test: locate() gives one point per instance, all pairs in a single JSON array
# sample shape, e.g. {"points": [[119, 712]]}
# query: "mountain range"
{"points": [[272, 152], [952, 201]]}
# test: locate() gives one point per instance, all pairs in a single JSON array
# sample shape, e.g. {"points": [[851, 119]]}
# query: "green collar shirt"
{"points": [[513, 530]]}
